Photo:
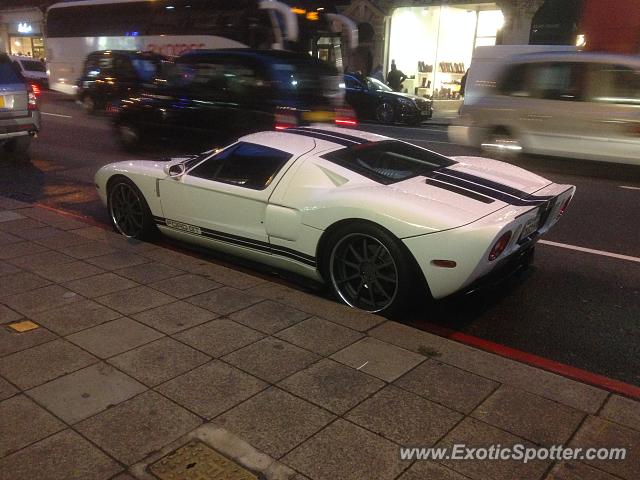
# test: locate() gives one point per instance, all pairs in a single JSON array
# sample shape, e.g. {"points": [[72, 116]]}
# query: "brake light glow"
{"points": [[36, 89], [499, 246], [346, 117], [33, 102]]}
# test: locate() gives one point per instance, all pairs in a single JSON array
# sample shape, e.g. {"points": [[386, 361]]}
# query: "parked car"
{"points": [[32, 69], [108, 76], [19, 110], [224, 94], [372, 217], [570, 104], [373, 100]]}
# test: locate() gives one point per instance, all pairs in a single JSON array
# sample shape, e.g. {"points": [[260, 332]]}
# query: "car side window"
{"points": [[351, 82], [247, 165], [514, 81], [558, 81], [614, 84]]}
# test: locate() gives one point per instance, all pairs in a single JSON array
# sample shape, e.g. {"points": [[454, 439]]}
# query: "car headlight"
{"points": [[407, 103]]}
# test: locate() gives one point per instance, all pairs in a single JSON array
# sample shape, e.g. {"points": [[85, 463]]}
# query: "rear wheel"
{"points": [[89, 104], [368, 268], [129, 137], [385, 113], [502, 143], [129, 211]]}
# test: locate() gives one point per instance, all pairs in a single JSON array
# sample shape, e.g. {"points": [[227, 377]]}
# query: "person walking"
{"points": [[395, 77]]}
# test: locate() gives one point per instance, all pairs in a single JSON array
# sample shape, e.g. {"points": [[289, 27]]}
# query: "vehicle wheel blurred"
{"points": [[501, 143], [368, 268], [18, 148], [129, 137], [89, 104], [129, 212], [385, 113]]}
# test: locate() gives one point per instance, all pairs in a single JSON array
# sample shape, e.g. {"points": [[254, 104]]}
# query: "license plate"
{"points": [[318, 116], [531, 226], [1, 101]]}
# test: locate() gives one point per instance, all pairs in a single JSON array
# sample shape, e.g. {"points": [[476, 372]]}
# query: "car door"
{"points": [[357, 95], [227, 194]]}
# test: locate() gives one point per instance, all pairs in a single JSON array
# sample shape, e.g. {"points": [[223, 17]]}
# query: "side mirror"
{"points": [[175, 170]]}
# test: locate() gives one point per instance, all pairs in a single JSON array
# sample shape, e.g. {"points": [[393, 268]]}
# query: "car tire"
{"points": [[368, 268], [502, 143], [89, 104], [385, 113], [18, 148], [128, 210], [129, 137]]}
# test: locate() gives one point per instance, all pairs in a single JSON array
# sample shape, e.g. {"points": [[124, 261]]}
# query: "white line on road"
{"points": [[423, 140], [591, 250], [56, 115], [629, 188]]}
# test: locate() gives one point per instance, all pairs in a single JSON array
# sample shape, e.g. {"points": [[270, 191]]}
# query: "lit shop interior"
{"points": [[433, 47]]}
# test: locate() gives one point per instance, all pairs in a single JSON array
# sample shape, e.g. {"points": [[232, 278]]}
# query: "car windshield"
{"points": [[377, 86], [33, 66], [389, 161]]}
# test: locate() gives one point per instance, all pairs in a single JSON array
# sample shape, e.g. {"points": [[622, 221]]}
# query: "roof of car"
{"points": [[594, 57], [297, 140]]}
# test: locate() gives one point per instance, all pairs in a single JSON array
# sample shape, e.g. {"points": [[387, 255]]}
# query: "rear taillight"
{"points": [[36, 89], [499, 246], [33, 101], [563, 208], [346, 117]]}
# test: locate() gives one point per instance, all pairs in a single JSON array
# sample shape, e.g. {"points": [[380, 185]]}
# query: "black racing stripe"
{"points": [[344, 136], [488, 191], [490, 183], [460, 191], [246, 242], [327, 138]]}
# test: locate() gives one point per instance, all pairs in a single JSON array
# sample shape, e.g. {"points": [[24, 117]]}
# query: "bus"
{"points": [[173, 27]]}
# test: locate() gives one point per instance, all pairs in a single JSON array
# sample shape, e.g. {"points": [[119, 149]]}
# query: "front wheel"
{"points": [[385, 113], [129, 211], [368, 268]]}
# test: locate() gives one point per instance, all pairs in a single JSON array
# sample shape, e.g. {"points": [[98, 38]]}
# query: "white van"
{"points": [[32, 69], [562, 103]]}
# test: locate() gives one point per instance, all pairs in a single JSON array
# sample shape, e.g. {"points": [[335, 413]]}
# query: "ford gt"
{"points": [[372, 217]]}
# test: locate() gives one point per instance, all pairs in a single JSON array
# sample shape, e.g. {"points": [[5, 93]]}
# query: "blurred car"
{"points": [[19, 110], [570, 104], [376, 219], [227, 93], [108, 76], [32, 70], [373, 100]]}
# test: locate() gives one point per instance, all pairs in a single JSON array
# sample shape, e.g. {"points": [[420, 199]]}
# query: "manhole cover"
{"points": [[197, 461]]}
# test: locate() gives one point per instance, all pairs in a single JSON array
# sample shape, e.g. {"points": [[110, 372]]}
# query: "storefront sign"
{"points": [[24, 27]]}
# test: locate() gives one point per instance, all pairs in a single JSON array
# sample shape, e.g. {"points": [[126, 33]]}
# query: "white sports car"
{"points": [[373, 217]]}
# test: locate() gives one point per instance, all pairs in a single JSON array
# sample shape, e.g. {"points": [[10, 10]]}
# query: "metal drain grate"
{"points": [[197, 461]]}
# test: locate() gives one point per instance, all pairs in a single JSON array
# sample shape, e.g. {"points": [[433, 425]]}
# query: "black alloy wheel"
{"points": [[385, 113], [368, 268], [129, 212]]}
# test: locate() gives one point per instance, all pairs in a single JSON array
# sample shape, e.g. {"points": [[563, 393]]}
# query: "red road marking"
{"points": [[552, 366]]}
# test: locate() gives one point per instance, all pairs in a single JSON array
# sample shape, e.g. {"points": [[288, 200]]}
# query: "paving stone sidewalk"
{"points": [[141, 349]]}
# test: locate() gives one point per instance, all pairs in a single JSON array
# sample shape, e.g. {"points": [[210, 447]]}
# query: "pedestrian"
{"points": [[378, 74], [395, 77]]}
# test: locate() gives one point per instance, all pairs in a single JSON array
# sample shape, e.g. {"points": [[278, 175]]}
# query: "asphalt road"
{"points": [[581, 308]]}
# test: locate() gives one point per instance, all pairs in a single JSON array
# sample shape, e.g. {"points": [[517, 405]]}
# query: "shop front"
{"points": [[21, 33], [432, 45]]}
